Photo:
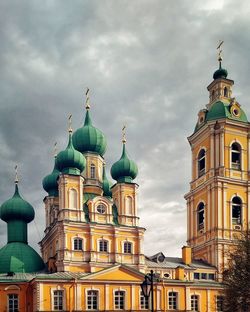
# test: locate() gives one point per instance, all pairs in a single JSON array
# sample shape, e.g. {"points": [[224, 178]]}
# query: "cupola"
{"points": [[106, 184], [88, 138], [50, 184], [17, 255], [125, 169], [70, 161]]}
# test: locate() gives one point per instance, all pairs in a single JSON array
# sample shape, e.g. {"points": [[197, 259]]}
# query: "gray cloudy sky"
{"points": [[147, 63]]}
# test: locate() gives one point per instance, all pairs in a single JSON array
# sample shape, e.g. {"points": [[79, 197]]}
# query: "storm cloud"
{"points": [[147, 64]]}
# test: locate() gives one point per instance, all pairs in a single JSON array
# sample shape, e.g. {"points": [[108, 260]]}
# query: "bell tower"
{"points": [[218, 200]]}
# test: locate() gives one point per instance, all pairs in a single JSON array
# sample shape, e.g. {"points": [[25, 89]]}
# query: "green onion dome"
{"points": [[220, 73], [124, 170], [106, 184], [70, 161], [50, 184], [89, 139], [20, 257], [16, 208]]}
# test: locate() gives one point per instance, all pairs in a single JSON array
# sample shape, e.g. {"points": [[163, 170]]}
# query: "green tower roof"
{"points": [[70, 161], [124, 170], [50, 184], [106, 184], [221, 109], [88, 138], [19, 257], [16, 208], [220, 73]]}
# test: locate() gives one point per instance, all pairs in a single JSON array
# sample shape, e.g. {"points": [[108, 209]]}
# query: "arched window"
{"points": [[225, 92], [13, 303], [92, 300], [200, 216], [78, 244], [201, 162], [72, 198], [103, 245], [194, 303], [92, 171], [127, 247], [236, 210], [236, 156], [129, 205]]}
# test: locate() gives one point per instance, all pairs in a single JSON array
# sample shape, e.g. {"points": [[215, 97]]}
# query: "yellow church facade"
{"points": [[92, 252]]}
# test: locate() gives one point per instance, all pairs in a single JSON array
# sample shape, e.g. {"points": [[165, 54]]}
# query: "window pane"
{"points": [[13, 303], [172, 301], [92, 300], [119, 300], [127, 247], [219, 303], [144, 301], [58, 300], [194, 303]]}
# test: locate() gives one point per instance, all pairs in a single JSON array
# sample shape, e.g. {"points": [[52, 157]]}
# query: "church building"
{"points": [[92, 252]]}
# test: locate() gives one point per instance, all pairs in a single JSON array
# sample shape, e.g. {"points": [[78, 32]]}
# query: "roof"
{"points": [[174, 262]]}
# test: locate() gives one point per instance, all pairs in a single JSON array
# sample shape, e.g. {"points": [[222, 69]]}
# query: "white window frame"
{"points": [[103, 240], [144, 302], [193, 302], [234, 166], [177, 300], [62, 298], [13, 302], [97, 299], [241, 210], [124, 299], [92, 171], [200, 226], [78, 239], [201, 173], [131, 247]]}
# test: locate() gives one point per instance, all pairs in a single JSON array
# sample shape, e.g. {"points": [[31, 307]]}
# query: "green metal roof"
{"points": [[50, 184], [70, 161], [16, 208], [124, 170], [221, 109], [19, 257], [106, 185], [89, 139]]}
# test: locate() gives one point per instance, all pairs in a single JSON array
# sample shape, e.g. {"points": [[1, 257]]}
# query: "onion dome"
{"points": [[124, 170], [70, 161], [16, 208], [106, 184], [50, 184], [220, 73], [88, 138]]}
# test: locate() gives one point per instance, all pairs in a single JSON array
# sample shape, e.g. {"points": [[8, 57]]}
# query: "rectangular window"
{"points": [[219, 303], [13, 303], [196, 275], [58, 300], [103, 246], [172, 300], [194, 303], [78, 244], [92, 300], [119, 300], [211, 276], [203, 275], [127, 247], [144, 302]]}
